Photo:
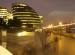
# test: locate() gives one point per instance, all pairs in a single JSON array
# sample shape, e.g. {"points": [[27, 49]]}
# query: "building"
{"points": [[5, 15], [70, 29], [27, 16], [3, 12]]}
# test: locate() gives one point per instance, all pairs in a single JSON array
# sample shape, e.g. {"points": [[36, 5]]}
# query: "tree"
{"points": [[14, 23], [1, 21]]}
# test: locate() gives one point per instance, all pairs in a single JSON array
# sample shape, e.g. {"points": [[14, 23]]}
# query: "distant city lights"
{"points": [[50, 26], [59, 25]]}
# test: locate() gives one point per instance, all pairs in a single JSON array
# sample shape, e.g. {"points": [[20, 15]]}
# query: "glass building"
{"points": [[27, 16], [3, 15], [3, 12]]}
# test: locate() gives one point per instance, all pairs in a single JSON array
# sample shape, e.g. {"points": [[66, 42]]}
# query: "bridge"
{"points": [[61, 41]]}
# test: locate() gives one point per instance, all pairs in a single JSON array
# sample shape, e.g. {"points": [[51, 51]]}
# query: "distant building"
{"points": [[3, 16], [3, 12], [28, 17], [70, 29]]}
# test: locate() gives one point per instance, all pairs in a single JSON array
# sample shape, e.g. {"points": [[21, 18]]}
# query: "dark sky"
{"points": [[52, 10]]}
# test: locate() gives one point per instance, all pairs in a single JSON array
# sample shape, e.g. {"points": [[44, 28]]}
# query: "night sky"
{"points": [[52, 10]]}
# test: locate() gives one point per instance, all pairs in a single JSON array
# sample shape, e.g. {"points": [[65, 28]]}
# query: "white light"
{"points": [[21, 34], [22, 4], [40, 30], [24, 33], [50, 26], [60, 23], [40, 16], [43, 27], [23, 26]]}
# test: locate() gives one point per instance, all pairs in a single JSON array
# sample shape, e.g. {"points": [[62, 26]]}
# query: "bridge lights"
{"points": [[50, 26], [60, 24]]}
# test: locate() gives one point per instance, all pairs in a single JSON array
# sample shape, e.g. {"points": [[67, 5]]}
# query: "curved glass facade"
{"points": [[26, 15]]}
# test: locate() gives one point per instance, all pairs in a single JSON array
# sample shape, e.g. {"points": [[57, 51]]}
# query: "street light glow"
{"points": [[50, 26], [24, 33], [60, 24]]}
